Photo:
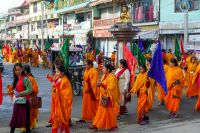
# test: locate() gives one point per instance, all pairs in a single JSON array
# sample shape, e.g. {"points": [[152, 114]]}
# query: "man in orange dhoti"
{"points": [[175, 82], [140, 88], [106, 116], [26, 55], [161, 93], [35, 58], [192, 89], [90, 93]]}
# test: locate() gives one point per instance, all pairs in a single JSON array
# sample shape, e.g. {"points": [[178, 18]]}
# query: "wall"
{"points": [[168, 14]]}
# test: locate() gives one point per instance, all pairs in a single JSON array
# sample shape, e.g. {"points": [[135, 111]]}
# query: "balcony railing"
{"points": [[105, 22]]}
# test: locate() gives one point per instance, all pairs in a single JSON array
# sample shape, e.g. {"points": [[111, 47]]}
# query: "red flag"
{"points": [[183, 53], [39, 50], [131, 61], [1, 91]]}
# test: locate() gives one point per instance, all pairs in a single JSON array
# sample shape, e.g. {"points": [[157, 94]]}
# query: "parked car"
{"points": [[76, 67]]}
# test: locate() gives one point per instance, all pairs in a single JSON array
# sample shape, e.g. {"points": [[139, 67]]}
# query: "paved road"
{"points": [[188, 120]]}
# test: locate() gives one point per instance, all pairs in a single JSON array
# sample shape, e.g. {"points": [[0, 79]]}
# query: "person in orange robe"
{"points": [[44, 60], [35, 58], [100, 61], [90, 93], [192, 89], [151, 90], [10, 55], [106, 116], [113, 58], [161, 93], [175, 82], [169, 56], [34, 111], [62, 103], [196, 82], [26, 55], [14, 56], [140, 88]]}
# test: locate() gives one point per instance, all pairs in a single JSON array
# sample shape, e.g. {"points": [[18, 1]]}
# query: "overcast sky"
{"points": [[6, 4]]}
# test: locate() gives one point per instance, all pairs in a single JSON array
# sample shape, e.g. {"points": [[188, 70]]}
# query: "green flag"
{"points": [[48, 43], [64, 53], [140, 57], [177, 49], [0, 45]]}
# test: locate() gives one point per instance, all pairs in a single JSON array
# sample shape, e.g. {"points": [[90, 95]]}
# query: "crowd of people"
{"points": [[27, 56], [106, 91]]}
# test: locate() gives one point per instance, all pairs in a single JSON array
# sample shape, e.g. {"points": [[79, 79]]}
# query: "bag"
{"points": [[19, 100], [35, 102], [104, 101]]}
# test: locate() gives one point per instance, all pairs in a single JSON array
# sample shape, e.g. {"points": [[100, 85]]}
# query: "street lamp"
{"points": [[184, 7]]}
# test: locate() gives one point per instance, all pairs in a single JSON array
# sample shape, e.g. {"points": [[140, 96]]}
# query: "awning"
{"points": [[73, 32], [99, 2], [72, 8], [153, 34]]}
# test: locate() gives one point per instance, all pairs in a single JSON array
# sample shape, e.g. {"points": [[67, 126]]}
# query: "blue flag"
{"points": [[156, 70], [140, 45]]}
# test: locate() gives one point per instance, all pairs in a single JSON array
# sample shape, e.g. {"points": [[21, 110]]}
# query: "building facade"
{"points": [[172, 23]]}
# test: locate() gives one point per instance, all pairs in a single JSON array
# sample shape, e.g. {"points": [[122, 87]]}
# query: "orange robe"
{"points": [[172, 100], [90, 94], [62, 105], [26, 56], [35, 59], [34, 111], [106, 117], [168, 57], [192, 89], [151, 93], [14, 56], [195, 83], [140, 89], [44, 60], [161, 93]]}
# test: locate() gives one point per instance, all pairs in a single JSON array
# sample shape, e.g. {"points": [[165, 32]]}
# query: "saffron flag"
{"points": [[131, 61], [183, 53], [64, 53], [156, 70], [1, 90], [140, 45]]}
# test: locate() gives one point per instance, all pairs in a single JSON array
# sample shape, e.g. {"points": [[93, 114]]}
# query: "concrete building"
{"points": [[172, 23]]}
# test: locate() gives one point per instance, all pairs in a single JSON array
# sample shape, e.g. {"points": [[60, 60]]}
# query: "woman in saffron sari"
{"points": [[192, 89], [175, 82], [140, 88], [106, 116], [33, 111], [62, 102]]}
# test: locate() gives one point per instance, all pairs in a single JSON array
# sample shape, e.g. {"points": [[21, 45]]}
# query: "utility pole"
{"points": [[185, 27], [5, 29], [42, 25]]}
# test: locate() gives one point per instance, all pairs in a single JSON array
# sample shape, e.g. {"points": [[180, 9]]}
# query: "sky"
{"points": [[6, 4]]}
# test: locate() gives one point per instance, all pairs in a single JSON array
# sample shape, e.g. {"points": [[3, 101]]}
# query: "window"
{"points": [[144, 11], [35, 7], [32, 27], [194, 5], [56, 22]]}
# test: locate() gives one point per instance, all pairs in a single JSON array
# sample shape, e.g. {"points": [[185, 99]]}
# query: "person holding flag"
{"points": [[140, 88], [175, 85], [123, 76]]}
